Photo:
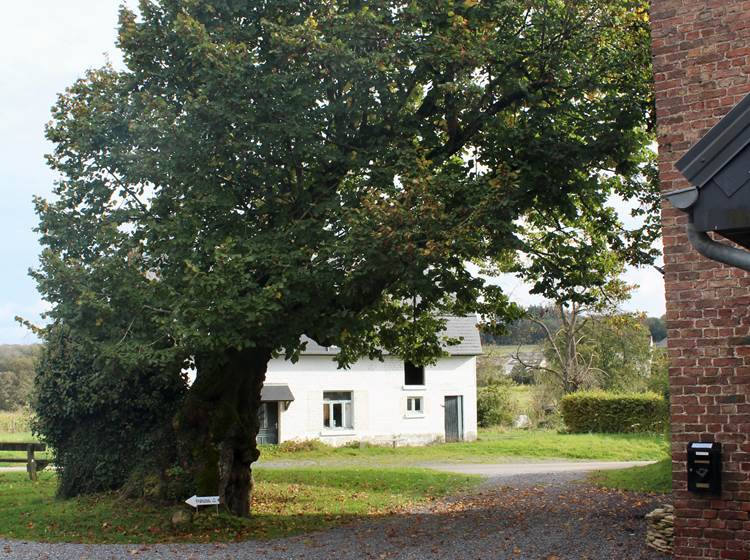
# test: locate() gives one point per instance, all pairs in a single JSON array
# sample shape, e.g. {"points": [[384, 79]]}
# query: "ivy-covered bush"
{"points": [[597, 411], [496, 405], [99, 418]]}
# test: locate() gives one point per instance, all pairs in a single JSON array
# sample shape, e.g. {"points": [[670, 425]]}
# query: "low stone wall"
{"points": [[660, 533]]}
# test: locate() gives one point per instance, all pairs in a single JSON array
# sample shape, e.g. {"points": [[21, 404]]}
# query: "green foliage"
{"points": [[619, 347], [597, 411], [523, 375], [544, 411], [16, 374], [101, 420], [657, 327], [311, 172], [610, 351], [496, 405], [658, 380]]}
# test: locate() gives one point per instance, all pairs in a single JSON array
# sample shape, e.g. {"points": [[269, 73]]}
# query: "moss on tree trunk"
{"points": [[219, 424]]}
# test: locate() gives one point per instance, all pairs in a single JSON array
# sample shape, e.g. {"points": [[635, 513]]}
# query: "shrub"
{"points": [[658, 380], [302, 445], [597, 411], [495, 405], [544, 410], [522, 375], [99, 418]]}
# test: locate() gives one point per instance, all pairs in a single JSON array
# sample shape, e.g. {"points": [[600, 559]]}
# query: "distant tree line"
{"points": [[16, 374], [528, 330], [658, 328]]}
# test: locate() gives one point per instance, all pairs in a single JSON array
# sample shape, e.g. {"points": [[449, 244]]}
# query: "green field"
{"points": [[493, 445], [497, 350], [14, 422], [651, 478], [287, 502], [522, 394]]}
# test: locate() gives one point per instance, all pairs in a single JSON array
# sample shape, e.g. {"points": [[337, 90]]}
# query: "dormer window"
{"points": [[413, 374]]}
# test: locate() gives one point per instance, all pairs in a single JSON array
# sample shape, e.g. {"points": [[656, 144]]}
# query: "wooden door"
{"points": [[454, 418]]}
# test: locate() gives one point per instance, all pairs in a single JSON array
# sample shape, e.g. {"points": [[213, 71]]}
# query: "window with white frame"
{"points": [[337, 410], [415, 406]]}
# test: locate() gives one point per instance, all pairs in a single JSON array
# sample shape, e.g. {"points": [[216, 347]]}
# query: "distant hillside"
{"points": [[16, 374]]}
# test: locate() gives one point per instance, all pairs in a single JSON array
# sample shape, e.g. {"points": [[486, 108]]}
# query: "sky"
{"points": [[46, 46]]}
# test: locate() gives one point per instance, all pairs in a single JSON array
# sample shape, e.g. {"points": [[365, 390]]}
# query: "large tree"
{"points": [[263, 170]]}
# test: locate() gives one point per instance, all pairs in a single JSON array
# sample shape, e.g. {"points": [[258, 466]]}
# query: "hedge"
{"points": [[495, 405], [597, 411]]}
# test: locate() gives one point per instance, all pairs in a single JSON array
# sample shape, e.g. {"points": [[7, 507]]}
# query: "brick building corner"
{"points": [[701, 53]]}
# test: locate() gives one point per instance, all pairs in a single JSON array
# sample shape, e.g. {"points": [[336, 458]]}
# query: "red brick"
{"points": [[701, 56]]}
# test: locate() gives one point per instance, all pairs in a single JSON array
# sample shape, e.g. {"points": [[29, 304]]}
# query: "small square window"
{"points": [[413, 375], [415, 406]]}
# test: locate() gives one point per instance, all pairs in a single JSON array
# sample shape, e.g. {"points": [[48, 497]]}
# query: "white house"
{"points": [[389, 402]]}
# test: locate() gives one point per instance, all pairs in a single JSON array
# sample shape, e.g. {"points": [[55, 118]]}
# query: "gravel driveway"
{"points": [[514, 517]]}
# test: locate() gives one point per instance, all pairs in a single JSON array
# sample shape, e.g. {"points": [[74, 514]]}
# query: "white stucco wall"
{"points": [[379, 399]]}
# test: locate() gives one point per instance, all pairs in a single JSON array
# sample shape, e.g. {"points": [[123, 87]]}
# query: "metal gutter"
{"points": [[717, 251]]}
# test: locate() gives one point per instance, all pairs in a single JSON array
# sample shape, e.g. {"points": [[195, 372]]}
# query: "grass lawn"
{"points": [[16, 436], [493, 445], [651, 478], [287, 502], [522, 396]]}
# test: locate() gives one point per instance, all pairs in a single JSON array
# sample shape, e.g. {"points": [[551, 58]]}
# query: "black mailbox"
{"points": [[704, 467], [718, 168]]}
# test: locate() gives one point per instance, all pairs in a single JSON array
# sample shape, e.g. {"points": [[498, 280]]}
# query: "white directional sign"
{"points": [[196, 501]]}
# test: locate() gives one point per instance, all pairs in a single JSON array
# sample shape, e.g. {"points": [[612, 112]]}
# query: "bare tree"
{"points": [[570, 369]]}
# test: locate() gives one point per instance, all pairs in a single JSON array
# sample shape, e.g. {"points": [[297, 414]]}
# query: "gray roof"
{"points": [[464, 328], [276, 392]]}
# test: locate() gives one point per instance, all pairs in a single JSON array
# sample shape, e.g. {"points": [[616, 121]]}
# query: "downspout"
{"points": [[717, 251]]}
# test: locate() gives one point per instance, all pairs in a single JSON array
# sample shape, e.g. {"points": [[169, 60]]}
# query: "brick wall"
{"points": [[702, 65]]}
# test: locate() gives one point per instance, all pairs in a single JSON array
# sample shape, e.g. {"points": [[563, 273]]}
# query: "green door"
{"points": [[269, 423], [454, 418]]}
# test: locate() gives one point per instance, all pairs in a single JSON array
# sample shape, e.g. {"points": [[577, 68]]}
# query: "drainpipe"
{"points": [[717, 251]]}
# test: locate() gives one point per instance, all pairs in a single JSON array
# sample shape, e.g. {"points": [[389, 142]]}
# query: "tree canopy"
{"points": [[657, 327], [264, 170], [16, 374]]}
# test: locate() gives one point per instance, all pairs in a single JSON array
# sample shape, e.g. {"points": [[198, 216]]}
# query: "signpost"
{"points": [[197, 501]]}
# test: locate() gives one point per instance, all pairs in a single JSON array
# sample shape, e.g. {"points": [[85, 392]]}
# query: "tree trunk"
{"points": [[219, 424]]}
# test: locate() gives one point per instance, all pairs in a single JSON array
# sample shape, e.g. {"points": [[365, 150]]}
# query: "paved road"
{"points": [[517, 515]]}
